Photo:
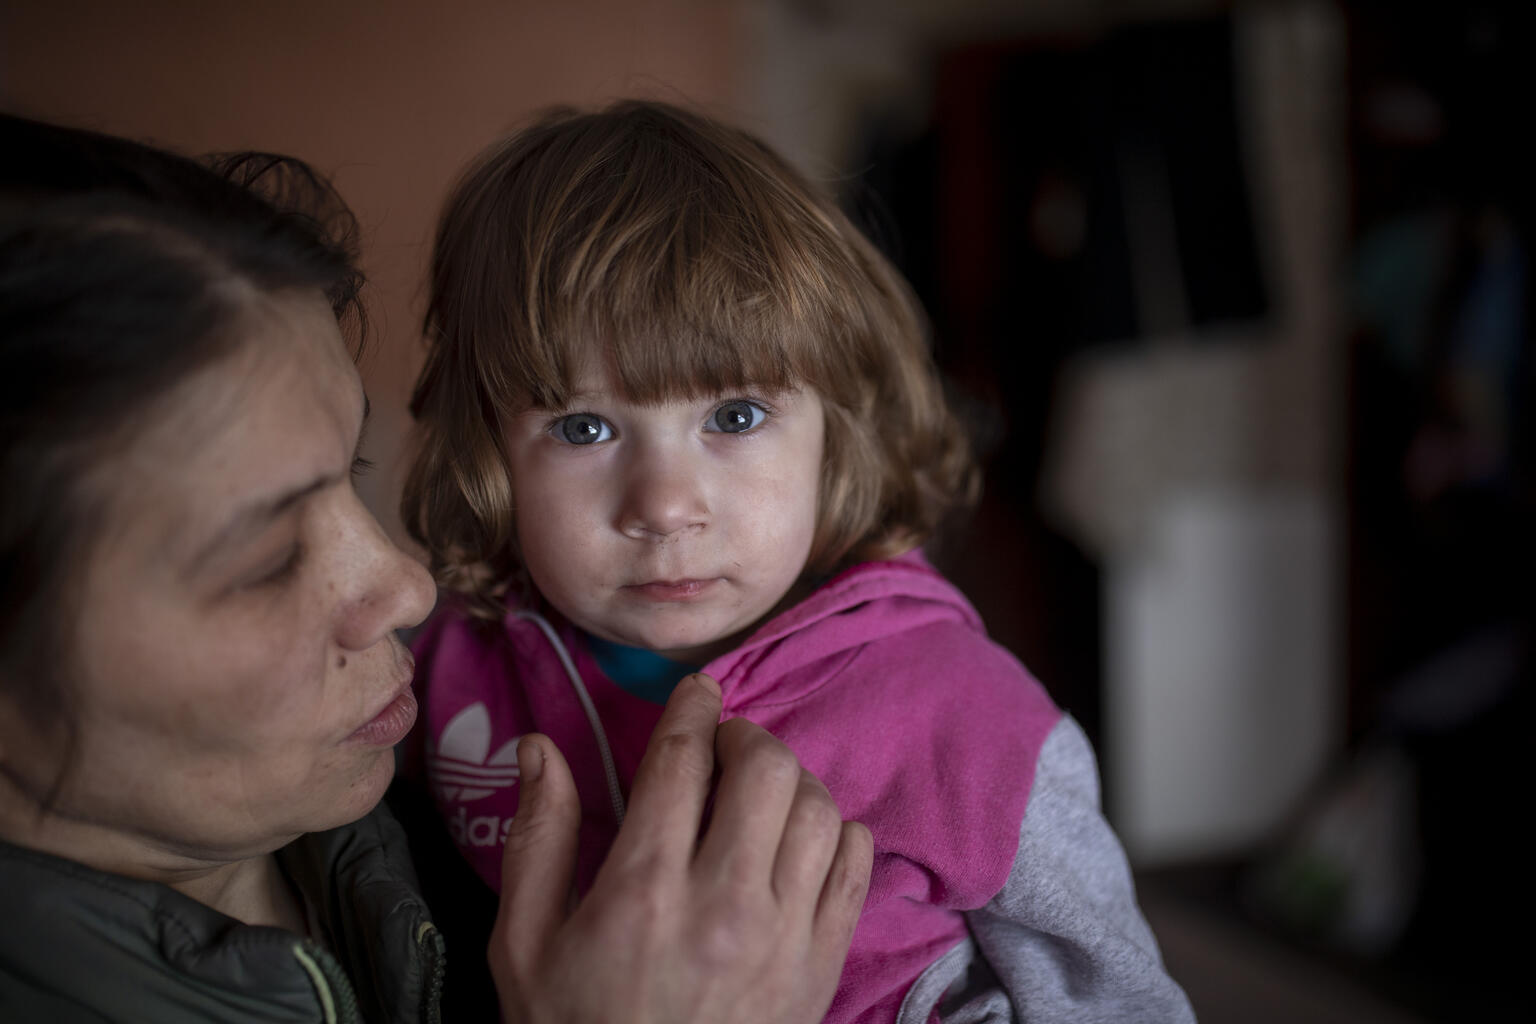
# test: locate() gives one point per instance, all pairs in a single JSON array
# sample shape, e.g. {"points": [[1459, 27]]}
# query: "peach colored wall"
{"points": [[388, 97]]}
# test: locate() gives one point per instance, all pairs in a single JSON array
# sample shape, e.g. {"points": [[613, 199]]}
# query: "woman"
{"points": [[201, 687]]}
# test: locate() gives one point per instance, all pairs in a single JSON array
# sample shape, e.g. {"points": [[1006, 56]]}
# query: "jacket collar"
{"points": [[77, 938]]}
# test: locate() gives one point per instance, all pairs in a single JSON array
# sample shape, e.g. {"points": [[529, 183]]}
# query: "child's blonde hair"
{"points": [[692, 260]]}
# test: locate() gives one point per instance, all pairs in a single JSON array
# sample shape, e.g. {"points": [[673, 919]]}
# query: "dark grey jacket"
{"points": [[80, 945]]}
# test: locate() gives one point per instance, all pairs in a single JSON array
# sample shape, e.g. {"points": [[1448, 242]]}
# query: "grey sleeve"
{"points": [[1064, 940]]}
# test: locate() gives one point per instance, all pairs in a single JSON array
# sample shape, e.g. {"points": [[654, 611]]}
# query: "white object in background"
{"points": [[1222, 664]]}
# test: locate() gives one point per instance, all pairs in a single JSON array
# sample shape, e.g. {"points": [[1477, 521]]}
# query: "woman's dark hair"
{"points": [[123, 269]]}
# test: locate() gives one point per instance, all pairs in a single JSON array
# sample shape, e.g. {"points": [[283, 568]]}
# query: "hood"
{"points": [[861, 605]]}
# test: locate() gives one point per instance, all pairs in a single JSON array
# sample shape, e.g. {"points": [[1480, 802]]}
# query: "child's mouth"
{"points": [[671, 590]]}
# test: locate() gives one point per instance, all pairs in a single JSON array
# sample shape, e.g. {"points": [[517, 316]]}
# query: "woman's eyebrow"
{"points": [[254, 516]]}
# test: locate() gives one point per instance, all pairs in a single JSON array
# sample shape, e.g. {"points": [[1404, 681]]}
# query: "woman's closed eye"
{"points": [[581, 428], [736, 417], [277, 570]]}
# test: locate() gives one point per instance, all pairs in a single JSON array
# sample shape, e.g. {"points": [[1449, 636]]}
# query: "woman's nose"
{"points": [[390, 591], [664, 497]]}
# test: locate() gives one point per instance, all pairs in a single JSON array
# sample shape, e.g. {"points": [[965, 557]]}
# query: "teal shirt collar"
{"points": [[643, 673]]}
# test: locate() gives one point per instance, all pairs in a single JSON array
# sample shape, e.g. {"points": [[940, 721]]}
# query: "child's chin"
{"points": [[691, 643], [679, 637], [699, 651]]}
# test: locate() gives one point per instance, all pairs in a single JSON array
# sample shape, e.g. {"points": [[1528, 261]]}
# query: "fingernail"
{"points": [[708, 681], [530, 760]]}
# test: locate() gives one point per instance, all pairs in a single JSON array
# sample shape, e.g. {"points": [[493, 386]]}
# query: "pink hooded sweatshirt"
{"points": [[998, 891]]}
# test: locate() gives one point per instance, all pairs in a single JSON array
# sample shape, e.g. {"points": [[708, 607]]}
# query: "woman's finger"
{"points": [[539, 859], [672, 782], [759, 777], [842, 897], [812, 834]]}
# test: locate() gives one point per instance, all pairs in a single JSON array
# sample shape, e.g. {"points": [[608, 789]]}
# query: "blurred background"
{"points": [[1236, 297]]}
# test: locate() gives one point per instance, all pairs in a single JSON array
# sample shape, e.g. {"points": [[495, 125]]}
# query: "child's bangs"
{"points": [[686, 272], [676, 332]]}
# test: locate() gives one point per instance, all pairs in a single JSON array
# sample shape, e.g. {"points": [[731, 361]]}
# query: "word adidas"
{"points": [[482, 830]]}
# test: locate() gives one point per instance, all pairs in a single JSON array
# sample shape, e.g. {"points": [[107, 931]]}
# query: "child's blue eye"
{"points": [[581, 428], [736, 417]]}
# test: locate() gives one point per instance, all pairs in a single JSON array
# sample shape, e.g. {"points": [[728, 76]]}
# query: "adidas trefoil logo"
{"points": [[457, 765]]}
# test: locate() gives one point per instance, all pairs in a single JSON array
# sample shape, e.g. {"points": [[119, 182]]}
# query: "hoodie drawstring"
{"points": [[615, 794]]}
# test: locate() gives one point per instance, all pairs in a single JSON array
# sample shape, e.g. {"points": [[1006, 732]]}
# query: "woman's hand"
{"points": [[749, 925]]}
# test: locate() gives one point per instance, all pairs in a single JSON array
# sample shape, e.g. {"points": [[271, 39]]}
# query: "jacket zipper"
{"points": [[430, 942]]}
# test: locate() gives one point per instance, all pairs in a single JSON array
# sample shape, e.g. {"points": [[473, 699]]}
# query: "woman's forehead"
{"points": [[283, 407], [290, 359]]}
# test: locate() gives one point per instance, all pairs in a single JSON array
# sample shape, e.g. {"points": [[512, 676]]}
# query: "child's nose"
{"points": [[664, 497]]}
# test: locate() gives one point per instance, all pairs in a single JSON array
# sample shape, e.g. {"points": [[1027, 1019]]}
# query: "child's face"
{"points": [[673, 527]]}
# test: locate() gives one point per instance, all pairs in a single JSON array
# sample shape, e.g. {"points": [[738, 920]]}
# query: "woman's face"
{"points": [[235, 674]]}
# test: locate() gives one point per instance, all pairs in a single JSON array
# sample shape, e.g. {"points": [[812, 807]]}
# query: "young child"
{"points": [[678, 414]]}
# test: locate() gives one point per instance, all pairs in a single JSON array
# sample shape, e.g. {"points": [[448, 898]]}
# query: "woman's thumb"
{"points": [[539, 859]]}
